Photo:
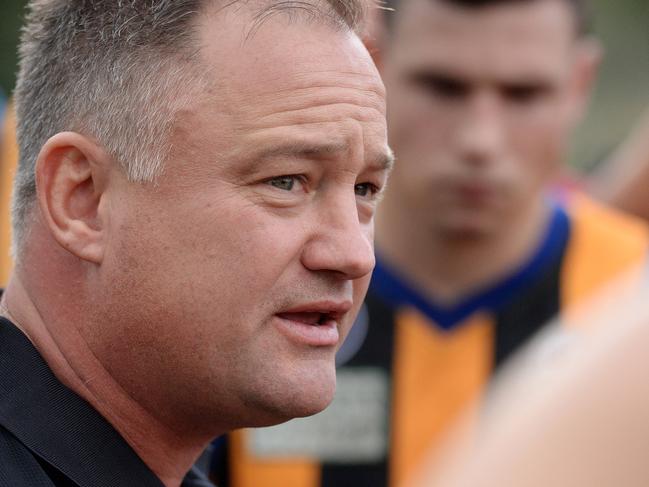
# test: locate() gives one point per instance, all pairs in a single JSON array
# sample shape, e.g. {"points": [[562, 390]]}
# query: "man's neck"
{"points": [[448, 267], [168, 454]]}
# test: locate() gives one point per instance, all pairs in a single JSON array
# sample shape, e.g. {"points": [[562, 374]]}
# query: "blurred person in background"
{"points": [[3, 106], [475, 252], [574, 416], [8, 161]]}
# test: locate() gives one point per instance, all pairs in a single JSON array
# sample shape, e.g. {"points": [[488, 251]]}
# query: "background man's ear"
{"points": [[375, 33], [587, 62], [71, 178]]}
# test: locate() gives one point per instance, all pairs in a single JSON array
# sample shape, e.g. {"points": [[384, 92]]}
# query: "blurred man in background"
{"points": [[474, 253], [575, 419], [8, 161]]}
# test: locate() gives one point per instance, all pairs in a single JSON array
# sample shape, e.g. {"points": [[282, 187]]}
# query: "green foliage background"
{"points": [[11, 14], [621, 93]]}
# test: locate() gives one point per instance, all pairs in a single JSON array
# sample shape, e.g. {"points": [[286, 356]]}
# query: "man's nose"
{"points": [[340, 243], [481, 133]]}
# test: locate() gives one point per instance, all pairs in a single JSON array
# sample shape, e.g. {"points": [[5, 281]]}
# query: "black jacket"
{"points": [[50, 437]]}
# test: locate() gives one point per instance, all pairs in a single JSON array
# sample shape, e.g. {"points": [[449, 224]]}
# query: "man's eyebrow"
{"points": [[308, 149], [386, 160]]}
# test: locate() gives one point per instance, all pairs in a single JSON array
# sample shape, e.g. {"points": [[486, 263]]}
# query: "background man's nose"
{"points": [[482, 131]]}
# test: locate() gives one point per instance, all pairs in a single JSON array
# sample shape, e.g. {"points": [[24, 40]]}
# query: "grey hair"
{"points": [[110, 69]]}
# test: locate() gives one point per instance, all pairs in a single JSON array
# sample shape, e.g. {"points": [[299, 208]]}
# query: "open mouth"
{"points": [[312, 328], [313, 318]]}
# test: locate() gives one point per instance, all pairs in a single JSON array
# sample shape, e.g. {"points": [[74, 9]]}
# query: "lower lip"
{"points": [[324, 335]]}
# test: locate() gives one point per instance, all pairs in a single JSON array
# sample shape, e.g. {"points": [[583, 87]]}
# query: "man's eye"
{"points": [[365, 189], [287, 183], [444, 87], [525, 94]]}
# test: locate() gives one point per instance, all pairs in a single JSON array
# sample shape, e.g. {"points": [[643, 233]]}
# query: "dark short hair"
{"points": [[580, 8]]}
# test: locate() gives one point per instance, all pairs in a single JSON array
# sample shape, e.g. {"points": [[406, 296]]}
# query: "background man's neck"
{"points": [[449, 267]]}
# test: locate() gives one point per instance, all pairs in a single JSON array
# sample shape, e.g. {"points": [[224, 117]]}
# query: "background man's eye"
{"points": [[283, 182], [523, 94], [441, 86]]}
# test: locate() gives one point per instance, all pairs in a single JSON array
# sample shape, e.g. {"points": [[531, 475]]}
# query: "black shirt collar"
{"points": [[60, 427]]}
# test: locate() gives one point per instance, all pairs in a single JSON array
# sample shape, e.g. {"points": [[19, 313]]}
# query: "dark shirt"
{"points": [[50, 437]]}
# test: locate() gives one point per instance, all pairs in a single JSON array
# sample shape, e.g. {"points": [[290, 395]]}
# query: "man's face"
{"points": [[240, 272], [480, 104]]}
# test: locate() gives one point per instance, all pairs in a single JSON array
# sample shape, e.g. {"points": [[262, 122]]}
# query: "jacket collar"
{"points": [[57, 425]]}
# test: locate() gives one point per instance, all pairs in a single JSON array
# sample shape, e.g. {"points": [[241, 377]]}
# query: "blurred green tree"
{"points": [[11, 15]]}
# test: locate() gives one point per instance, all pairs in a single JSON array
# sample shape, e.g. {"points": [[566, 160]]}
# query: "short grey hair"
{"points": [[117, 71]]}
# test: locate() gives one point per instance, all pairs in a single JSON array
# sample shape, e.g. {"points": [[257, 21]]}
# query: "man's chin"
{"points": [[293, 399], [465, 233], [467, 228]]}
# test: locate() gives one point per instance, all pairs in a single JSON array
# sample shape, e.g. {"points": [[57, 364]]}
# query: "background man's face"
{"points": [[480, 103], [241, 271]]}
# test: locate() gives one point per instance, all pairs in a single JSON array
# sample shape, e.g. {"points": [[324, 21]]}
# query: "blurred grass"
{"points": [[621, 93]]}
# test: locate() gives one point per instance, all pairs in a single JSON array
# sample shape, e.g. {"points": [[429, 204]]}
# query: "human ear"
{"points": [[71, 177], [588, 57], [374, 36]]}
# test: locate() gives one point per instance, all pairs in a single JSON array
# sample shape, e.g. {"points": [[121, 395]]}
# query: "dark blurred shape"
{"points": [[11, 12]]}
